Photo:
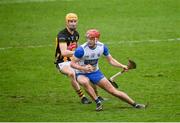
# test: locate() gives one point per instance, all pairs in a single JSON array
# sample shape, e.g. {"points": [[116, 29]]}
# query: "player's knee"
{"points": [[71, 75], [83, 82], [113, 91], [86, 84]]}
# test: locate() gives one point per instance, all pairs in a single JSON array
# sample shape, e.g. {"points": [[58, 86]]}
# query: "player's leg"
{"points": [[85, 82], [71, 74], [67, 70], [106, 85], [96, 91]]}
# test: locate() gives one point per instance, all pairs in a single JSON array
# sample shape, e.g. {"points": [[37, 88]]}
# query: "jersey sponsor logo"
{"points": [[91, 62]]}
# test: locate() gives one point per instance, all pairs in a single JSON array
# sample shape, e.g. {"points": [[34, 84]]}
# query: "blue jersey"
{"points": [[90, 56]]}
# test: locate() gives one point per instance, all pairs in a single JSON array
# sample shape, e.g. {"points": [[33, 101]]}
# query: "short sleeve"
{"points": [[106, 51], [61, 38], [79, 52]]}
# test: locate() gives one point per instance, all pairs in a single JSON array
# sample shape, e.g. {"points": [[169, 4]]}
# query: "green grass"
{"points": [[31, 89]]}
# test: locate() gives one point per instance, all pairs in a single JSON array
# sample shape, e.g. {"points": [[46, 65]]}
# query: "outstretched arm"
{"points": [[115, 63]]}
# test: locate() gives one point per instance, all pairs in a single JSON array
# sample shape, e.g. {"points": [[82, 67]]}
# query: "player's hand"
{"points": [[88, 68], [125, 68], [72, 47]]}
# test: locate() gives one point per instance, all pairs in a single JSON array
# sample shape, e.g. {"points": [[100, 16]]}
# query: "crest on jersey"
{"points": [[72, 37]]}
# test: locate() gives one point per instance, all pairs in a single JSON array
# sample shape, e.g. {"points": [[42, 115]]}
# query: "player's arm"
{"points": [[113, 61], [64, 49], [86, 68], [74, 63]]}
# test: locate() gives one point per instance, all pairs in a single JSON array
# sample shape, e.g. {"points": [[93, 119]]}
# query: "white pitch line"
{"points": [[113, 42], [5, 48], [143, 41], [23, 47], [171, 39], [23, 1]]}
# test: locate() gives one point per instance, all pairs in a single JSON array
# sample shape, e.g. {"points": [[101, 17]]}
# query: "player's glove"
{"points": [[72, 47]]}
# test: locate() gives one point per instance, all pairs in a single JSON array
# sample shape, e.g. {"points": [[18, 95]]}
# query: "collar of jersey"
{"points": [[93, 48]]}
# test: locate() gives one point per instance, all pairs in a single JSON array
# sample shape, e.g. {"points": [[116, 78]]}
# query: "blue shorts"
{"points": [[94, 77]]}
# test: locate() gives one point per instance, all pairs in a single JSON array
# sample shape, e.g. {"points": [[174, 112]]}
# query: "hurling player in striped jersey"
{"points": [[66, 43]]}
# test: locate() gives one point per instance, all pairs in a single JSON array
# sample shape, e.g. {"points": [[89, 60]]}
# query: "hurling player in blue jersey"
{"points": [[85, 61]]}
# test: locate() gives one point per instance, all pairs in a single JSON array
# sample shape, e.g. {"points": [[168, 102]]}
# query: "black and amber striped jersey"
{"points": [[69, 39]]}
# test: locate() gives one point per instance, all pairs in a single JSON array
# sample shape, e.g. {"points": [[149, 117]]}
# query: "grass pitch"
{"points": [[146, 31]]}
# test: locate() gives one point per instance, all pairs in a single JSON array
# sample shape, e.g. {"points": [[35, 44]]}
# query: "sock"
{"points": [[80, 93], [134, 104], [97, 101]]}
